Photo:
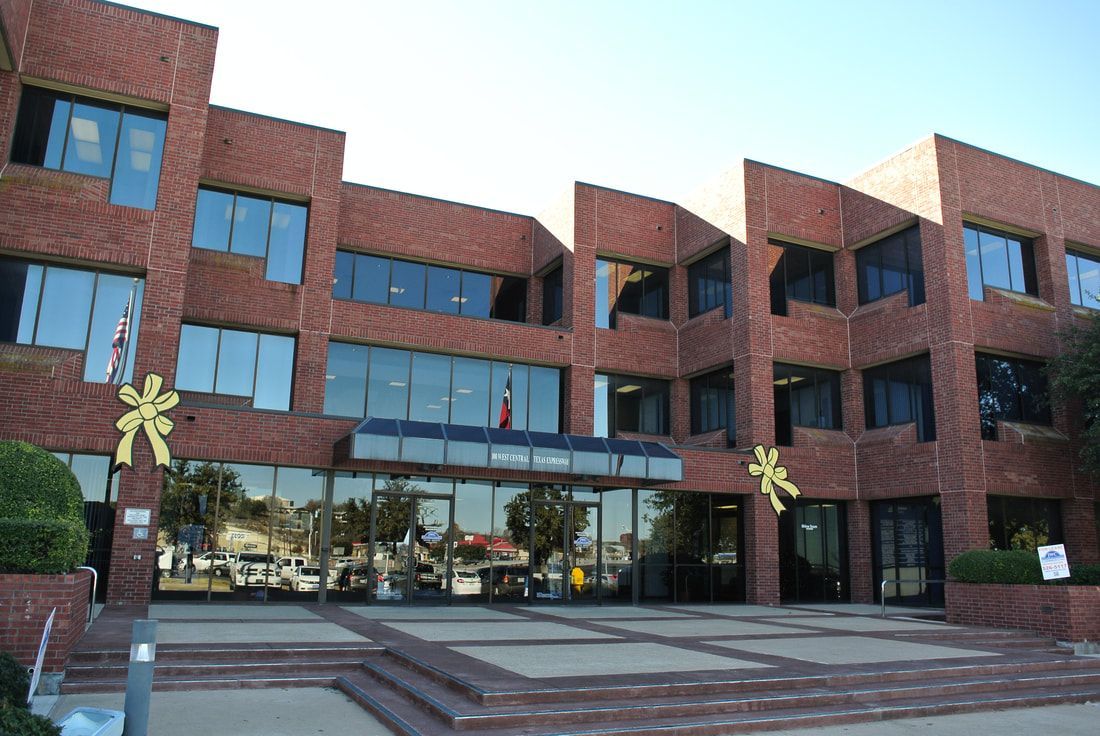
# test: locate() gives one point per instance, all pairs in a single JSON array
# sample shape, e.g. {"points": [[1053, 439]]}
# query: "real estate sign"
{"points": [[1054, 562]]}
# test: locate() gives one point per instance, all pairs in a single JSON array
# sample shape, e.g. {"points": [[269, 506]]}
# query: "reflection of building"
{"points": [[773, 308]]}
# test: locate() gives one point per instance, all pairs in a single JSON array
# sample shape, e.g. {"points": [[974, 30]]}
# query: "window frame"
{"points": [[779, 300], [989, 423], [553, 284], [272, 201], [817, 375], [428, 267], [917, 367], [255, 365], [613, 312], [911, 246], [1027, 260], [704, 265], [1075, 279], [614, 382], [72, 99], [698, 424]]}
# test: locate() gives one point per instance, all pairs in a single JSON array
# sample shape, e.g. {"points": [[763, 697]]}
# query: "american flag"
{"points": [[115, 367]]}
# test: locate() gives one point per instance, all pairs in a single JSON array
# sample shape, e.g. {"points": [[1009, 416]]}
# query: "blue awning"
{"points": [[430, 443]]}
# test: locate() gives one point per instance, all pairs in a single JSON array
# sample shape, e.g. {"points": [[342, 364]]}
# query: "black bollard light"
{"points": [[139, 677]]}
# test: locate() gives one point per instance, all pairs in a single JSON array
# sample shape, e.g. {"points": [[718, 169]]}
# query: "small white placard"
{"points": [[141, 532], [36, 675], [136, 517], [1054, 562]]}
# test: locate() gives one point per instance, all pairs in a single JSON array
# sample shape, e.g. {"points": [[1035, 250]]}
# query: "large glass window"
{"points": [[1084, 279], [59, 130], [891, 265], [253, 225], [898, 393], [77, 309], [805, 397], [630, 404], [1000, 259], [552, 296], [709, 285], [629, 288], [1018, 522], [712, 405], [429, 387], [257, 367], [803, 274], [381, 280], [1010, 389]]}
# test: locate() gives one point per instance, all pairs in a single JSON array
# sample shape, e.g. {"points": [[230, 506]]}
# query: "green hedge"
{"points": [[1015, 567], [44, 547], [19, 722], [36, 485]]}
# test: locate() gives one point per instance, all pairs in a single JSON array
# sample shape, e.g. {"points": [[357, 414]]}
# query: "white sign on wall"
{"points": [[1054, 562], [136, 517]]}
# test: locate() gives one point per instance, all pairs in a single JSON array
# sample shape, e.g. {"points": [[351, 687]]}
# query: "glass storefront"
{"points": [[248, 532], [908, 546]]}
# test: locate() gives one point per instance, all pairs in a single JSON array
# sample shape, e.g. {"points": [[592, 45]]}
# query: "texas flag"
{"points": [[506, 405]]}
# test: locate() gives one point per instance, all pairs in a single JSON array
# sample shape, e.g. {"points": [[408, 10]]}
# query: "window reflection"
{"points": [[998, 259], [214, 360], [800, 273]]}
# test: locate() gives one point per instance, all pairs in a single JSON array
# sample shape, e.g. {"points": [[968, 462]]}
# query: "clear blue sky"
{"points": [[503, 104]]}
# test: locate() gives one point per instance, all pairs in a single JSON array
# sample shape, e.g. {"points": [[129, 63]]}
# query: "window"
{"points": [[1017, 522], [363, 380], [1010, 389], [72, 308], [365, 278], [1000, 259], [125, 144], [630, 404], [93, 472], [712, 406], [552, 296], [805, 397], [898, 393], [709, 284], [803, 274], [629, 288], [253, 365], [891, 265], [1084, 279], [253, 225]]}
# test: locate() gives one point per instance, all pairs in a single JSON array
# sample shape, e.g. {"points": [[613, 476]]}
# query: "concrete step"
{"points": [[190, 670], [205, 683], [235, 653]]}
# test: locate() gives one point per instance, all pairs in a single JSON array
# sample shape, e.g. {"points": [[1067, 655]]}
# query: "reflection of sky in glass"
{"points": [[213, 213], [258, 480], [137, 168], [274, 371], [288, 238], [66, 300], [599, 407], [236, 363], [195, 360], [473, 506], [112, 296]]}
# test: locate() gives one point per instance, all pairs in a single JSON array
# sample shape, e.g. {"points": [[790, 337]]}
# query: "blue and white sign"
{"points": [[431, 537], [582, 542], [1054, 562]]}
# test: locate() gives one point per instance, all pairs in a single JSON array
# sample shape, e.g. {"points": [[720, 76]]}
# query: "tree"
{"points": [[191, 497], [549, 522], [1074, 377]]}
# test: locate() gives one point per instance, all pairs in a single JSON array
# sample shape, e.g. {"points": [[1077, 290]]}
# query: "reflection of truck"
{"points": [[287, 566], [164, 560], [203, 562], [252, 568]]}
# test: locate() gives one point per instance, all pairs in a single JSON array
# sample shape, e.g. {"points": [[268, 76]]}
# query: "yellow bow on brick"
{"points": [[148, 414], [771, 476]]}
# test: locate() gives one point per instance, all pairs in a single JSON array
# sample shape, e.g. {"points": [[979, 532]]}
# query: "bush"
{"points": [[1015, 567], [15, 681], [18, 722], [42, 547], [36, 485], [1084, 574]]}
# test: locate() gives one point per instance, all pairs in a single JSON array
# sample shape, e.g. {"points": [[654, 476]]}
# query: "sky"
{"points": [[504, 104]]}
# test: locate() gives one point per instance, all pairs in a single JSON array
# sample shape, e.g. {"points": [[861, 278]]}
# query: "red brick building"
{"points": [[886, 334]]}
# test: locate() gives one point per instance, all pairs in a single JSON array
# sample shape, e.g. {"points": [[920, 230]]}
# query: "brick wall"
{"points": [[1065, 613], [25, 604]]}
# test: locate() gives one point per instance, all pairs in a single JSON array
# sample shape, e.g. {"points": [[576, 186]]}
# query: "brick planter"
{"points": [[1066, 613], [25, 604]]}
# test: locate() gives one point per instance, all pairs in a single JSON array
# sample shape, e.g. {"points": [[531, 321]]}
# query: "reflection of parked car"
{"points": [[505, 581], [202, 563], [306, 578], [164, 561], [424, 576], [252, 568], [363, 578], [286, 567], [464, 583], [609, 577]]}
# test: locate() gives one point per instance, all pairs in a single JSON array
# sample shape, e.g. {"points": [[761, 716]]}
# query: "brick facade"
{"points": [[1065, 613], [167, 64], [26, 602]]}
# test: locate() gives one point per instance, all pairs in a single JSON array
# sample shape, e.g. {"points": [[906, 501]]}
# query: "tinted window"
{"points": [[1023, 523], [444, 287], [804, 397], [1084, 279], [274, 372], [803, 274], [93, 132], [709, 284], [343, 271], [1010, 389], [998, 259], [63, 314], [346, 379], [632, 404], [476, 290], [213, 219], [388, 387], [407, 284], [900, 392], [545, 404], [137, 170], [236, 363], [470, 392], [372, 279], [891, 265], [287, 241], [509, 298], [631, 289], [196, 363], [552, 296], [712, 404]]}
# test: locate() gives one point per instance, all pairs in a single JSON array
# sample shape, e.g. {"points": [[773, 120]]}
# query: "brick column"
{"points": [[133, 560], [1079, 526], [761, 551], [861, 580]]}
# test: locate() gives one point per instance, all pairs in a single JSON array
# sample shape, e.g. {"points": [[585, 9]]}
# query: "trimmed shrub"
{"points": [[15, 681], [36, 485], [42, 547], [18, 722], [1084, 574], [1015, 567]]}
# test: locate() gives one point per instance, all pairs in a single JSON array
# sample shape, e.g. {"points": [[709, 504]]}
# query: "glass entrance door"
{"points": [[565, 554], [812, 553], [410, 547]]}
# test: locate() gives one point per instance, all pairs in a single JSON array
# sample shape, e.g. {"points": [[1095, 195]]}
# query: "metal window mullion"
{"points": [[409, 385], [114, 158], [267, 239], [354, 264], [256, 371], [635, 568], [451, 382], [68, 128], [217, 362], [232, 224], [270, 528], [38, 309], [366, 375], [91, 311]]}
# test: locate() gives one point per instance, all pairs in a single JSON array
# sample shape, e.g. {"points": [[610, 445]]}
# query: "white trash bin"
{"points": [[92, 722]]}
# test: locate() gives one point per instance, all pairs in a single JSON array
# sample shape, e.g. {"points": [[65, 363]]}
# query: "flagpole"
{"points": [[129, 332]]}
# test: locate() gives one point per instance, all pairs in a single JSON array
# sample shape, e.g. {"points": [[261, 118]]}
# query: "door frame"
{"points": [[410, 564], [567, 504]]}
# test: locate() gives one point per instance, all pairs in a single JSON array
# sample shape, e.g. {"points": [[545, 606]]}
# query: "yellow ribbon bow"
{"points": [[147, 415], [770, 476]]}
